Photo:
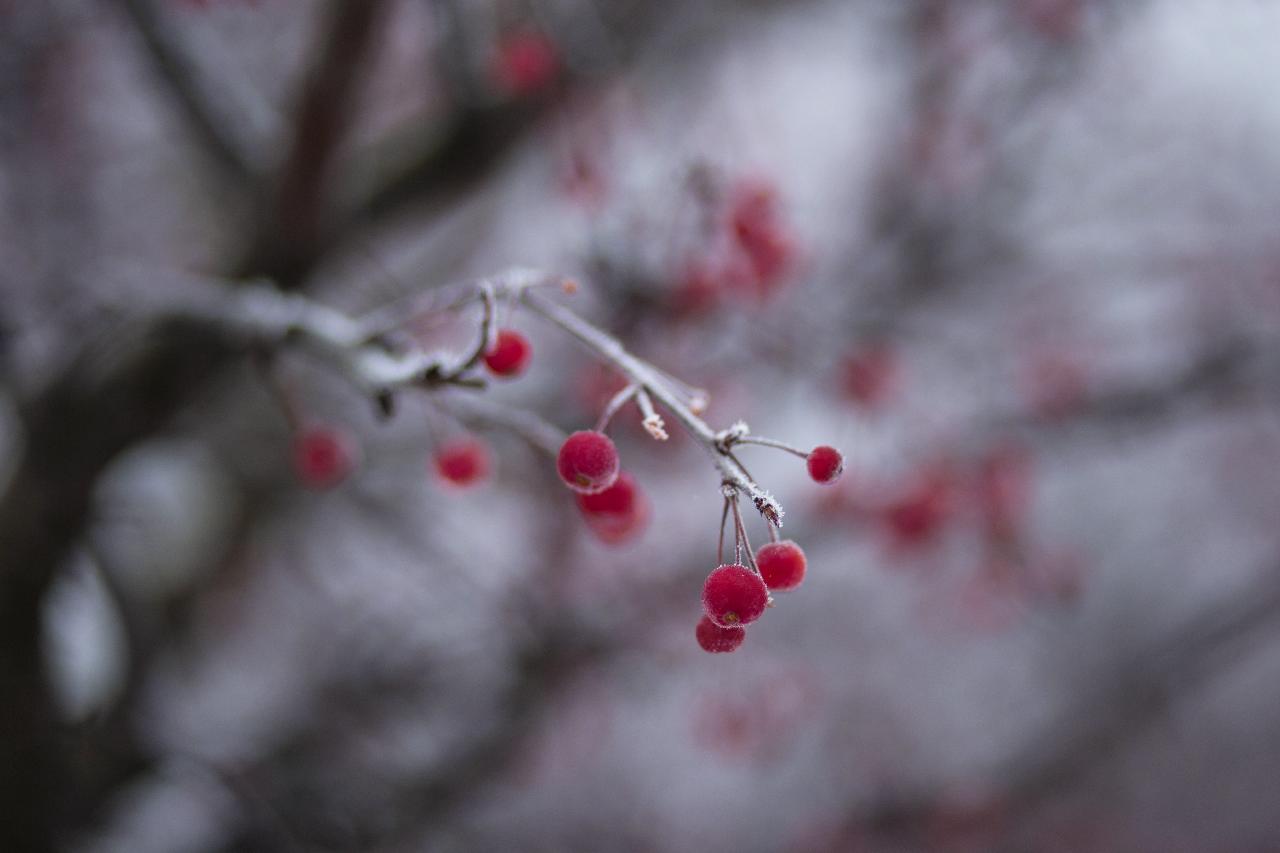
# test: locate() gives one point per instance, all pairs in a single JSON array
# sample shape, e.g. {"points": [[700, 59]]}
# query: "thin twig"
{"points": [[615, 405], [741, 527], [488, 334], [724, 517], [543, 436], [769, 442]]}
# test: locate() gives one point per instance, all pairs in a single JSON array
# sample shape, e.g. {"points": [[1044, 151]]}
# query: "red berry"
{"points": [[463, 461], [323, 457], [734, 595], [825, 464], [761, 235], [870, 374], [618, 513], [918, 515], [781, 564], [588, 462], [525, 62], [717, 638], [509, 355]]}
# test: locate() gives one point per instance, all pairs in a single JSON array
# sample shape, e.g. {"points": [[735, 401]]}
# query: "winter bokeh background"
{"points": [[1020, 265]]}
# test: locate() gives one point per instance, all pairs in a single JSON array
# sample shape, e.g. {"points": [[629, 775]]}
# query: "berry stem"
{"points": [[488, 333], [724, 517], [540, 434], [615, 405], [769, 442], [741, 529]]}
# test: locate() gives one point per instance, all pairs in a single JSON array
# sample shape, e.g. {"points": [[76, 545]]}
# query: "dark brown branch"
{"points": [[295, 226]]}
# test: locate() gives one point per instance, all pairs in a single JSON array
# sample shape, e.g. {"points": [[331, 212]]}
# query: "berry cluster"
{"points": [[613, 506], [749, 253], [737, 594]]}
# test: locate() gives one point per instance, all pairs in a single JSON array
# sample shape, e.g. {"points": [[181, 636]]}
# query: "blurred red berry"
{"points": [[617, 514], [782, 564], [734, 595], [588, 462], [869, 374], [825, 464], [526, 62], [509, 355], [753, 206], [1056, 386], [916, 517], [463, 461], [717, 638], [698, 290], [323, 457], [1004, 485], [761, 235]]}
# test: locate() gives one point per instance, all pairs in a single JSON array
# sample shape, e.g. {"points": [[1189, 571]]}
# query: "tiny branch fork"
{"points": [[654, 384]]}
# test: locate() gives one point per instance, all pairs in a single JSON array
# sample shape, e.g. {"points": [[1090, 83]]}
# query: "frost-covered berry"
{"points": [[734, 595], [509, 355], [463, 461], [588, 462], [825, 464], [617, 514], [716, 638], [323, 456], [781, 564]]}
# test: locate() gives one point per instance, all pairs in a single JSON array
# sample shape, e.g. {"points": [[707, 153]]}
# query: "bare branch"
{"points": [[176, 68]]}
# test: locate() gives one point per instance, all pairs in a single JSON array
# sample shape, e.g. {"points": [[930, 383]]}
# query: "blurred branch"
{"points": [[123, 390], [1099, 727], [463, 149], [1228, 370], [115, 392], [291, 237], [175, 66]]}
